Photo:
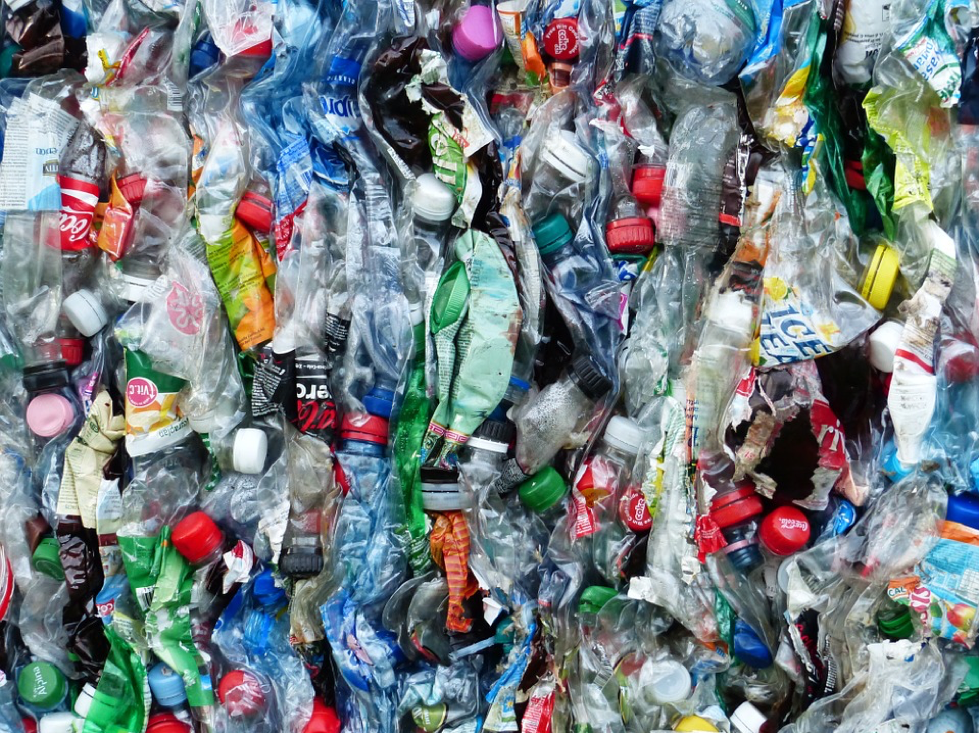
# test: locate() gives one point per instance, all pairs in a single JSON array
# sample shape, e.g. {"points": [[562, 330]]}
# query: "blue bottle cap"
{"points": [[844, 517], [895, 468], [266, 591], [379, 401], [749, 648], [963, 509], [204, 55], [167, 686], [258, 628]]}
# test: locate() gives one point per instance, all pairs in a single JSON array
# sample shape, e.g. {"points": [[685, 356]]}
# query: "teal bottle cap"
{"points": [[552, 233]]}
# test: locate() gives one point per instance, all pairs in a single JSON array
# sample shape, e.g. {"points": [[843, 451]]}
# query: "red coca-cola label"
{"points": [[633, 511], [78, 201], [540, 710]]}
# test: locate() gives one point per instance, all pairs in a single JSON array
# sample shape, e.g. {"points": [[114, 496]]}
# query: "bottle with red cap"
{"points": [[198, 538], [610, 514], [736, 513], [562, 45], [627, 230]]}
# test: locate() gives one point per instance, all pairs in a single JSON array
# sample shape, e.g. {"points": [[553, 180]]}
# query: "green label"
{"points": [[430, 718]]}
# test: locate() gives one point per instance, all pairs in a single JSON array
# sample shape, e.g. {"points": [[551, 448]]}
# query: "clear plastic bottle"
{"points": [[243, 450], [545, 424], [555, 242], [736, 513], [563, 167]]}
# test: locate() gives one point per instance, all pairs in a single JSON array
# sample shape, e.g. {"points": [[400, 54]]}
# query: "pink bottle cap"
{"points": [[49, 415], [478, 34]]}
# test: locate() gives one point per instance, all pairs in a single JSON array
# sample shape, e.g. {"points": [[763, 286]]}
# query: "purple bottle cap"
{"points": [[478, 34]]}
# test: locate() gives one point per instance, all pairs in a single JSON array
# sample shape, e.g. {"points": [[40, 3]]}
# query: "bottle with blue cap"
{"points": [[168, 690]]}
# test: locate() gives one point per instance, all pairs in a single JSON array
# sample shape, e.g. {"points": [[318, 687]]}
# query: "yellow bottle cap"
{"points": [[694, 723], [881, 276], [754, 352]]}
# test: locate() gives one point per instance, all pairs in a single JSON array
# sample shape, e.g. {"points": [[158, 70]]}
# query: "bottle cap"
{"points": [[167, 723], [963, 509], [440, 490], [735, 507], [432, 200], [83, 703], [633, 510], [542, 490], [371, 429], [29, 725], [49, 414], [72, 351], [250, 450], [46, 559], [255, 211], [668, 682], [561, 39], [633, 234], [552, 233], [624, 434], [204, 55], [477, 34], [563, 153], [196, 537], [241, 693], [895, 622], [450, 298], [42, 685], [302, 561], [58, 723], [132, 285], [379, 401], [493, 435], [749, 648], [878, 284], [46, 376], [586, 373], [694, 723], [647, 185], [594, 597], [265, 590], [167, 686], [85, 312], [747, 718], [883, 344], [132, 187], [895, 468], [323, 720], [784, 531]]}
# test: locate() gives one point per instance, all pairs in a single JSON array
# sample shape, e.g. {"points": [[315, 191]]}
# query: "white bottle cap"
{"points": [[563, 153], [250, 449], [883, 344], [432, 200], [83, 702], [132, 287], [58, 723], [284, 339], [624, 434], [443, 498], [669, 682], [747, 718], [733, 313], [85, 312]]}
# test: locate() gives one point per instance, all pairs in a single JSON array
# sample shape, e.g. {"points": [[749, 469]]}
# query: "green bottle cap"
{"points": [[7, 59], [968, 693], [594, 597], [895, 623], [46, 559], [542, 490], [42, 685], [552, 233], [451, 297]]}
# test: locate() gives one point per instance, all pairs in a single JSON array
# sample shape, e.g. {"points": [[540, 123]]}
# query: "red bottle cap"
{"points": [[197, 536], [634, 512], [735, 507], [241, 693], [324, 719], [29, 725], [853, 172], [647, 184], [561, 39], [72, 351], [132, 187], [166, 723], [255, 212], [784, 531], [259, 50], [372, 429], [630, 236]]}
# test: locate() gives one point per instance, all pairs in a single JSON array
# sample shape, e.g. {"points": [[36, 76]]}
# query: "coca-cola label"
{"points": [[185, 309], [78, 201]]}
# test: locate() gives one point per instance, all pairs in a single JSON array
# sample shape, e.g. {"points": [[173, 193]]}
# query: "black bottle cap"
{"points": [[45, 377], [589, 377], [435, 475], [496, 431], [301, 562]]}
